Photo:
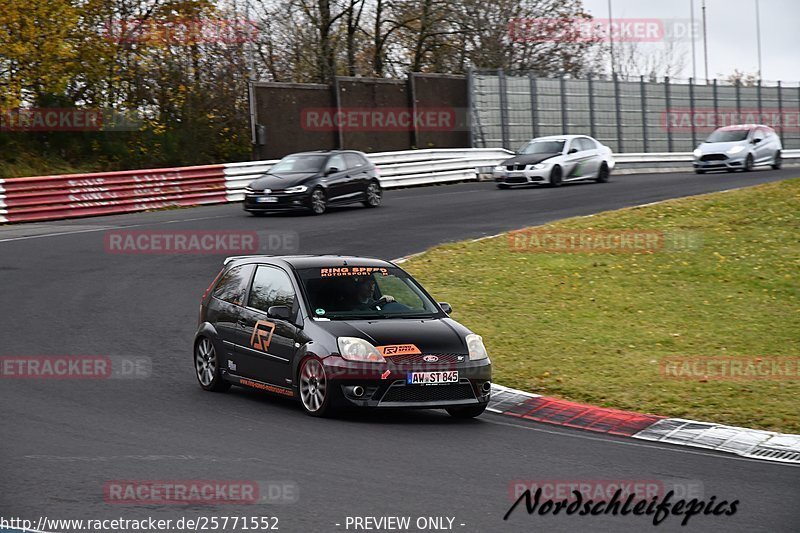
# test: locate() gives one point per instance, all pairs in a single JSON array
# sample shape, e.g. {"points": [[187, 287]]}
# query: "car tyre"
{"points": [[777, 161], [207, 367], [469, 411], [555, 177], [373, 195], [748, 163], [318, 202], [603, 174], [315, 388]]}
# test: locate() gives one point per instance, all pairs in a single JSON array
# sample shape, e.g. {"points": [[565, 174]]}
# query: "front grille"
{"points": [[418, 359], [714, 157], [516, 179], [429, 393], [515, 167]]}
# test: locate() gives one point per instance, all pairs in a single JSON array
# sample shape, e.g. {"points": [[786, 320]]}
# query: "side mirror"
{"points": [[280, 312], [573, 151], [332, 170], [446, 307], [756, 140]]}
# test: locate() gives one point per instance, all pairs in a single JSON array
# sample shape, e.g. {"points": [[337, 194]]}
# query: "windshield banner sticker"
{"points": [[351, 271]]}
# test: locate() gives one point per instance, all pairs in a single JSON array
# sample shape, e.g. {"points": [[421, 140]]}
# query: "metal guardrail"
{"points": [[397, 169], [81, 195]]}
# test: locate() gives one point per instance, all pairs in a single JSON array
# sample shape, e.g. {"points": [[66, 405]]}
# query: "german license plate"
{"points": [[266, 199], [516, 174], [432, 378]]}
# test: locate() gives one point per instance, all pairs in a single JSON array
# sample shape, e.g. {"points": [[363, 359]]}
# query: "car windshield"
{"points": [[727, 136], [542, 147], [299, 163], [359, 292]]}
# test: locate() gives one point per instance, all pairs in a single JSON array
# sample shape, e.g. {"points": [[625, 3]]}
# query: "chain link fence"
{"points": [[628, 115]]}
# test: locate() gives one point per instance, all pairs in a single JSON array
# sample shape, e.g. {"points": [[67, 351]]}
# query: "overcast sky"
{"points": [[731, 26]]}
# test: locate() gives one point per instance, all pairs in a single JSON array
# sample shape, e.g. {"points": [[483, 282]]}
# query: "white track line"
{"points": [[106, 228]]}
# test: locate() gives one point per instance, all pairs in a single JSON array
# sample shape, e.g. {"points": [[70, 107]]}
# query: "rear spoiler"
{"points": [[234, 258]]}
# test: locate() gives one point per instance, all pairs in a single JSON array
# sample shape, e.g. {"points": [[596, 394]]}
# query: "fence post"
{"points": [[738, 100], [592, 128], [564, 118], [534, 104], [668, 105], [471, 112], [780, 108], [643, 95], [716, 101], [412, 93], [691, 112], [620, 142], [338, 100], [503, 108], [758, 96]]}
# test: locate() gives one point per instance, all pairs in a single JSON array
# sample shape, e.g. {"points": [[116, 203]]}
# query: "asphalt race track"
{"points": [[62, 441]]}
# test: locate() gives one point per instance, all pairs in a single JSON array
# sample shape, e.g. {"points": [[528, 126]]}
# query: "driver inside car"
{"points": [[364, 294]]}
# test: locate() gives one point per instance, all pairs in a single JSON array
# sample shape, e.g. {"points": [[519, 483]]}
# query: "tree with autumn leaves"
{"points": [[175, 72]]}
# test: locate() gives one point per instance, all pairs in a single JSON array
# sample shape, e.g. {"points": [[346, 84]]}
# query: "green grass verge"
{"points": [[25, 165], [594, 327]]}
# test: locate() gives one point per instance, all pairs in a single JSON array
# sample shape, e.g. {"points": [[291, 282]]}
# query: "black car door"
{"points": [[359, 176], [336, 182], [225, 307], [266, 345]]}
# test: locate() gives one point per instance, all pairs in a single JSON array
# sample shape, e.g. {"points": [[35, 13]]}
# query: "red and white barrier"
{"points": [[105, 193], [3, 219], [81, 195]]}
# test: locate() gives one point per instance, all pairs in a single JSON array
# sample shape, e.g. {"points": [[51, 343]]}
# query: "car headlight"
{"points": [[355, 349], [698, 153], [296, 188], [477, 350], [735, 150], [539, 166]]}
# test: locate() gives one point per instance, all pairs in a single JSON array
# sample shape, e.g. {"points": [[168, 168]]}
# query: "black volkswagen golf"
{"points": [[314, 181], [336, 332]]}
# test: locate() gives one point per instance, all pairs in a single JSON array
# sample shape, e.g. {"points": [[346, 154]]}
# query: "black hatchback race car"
{"points": [[334, 332], [314, 181]]}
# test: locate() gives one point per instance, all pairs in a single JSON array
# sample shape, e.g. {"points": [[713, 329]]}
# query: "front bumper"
{"points": [[385, 384], [720, 161], [522, 177], [283, 202]]}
